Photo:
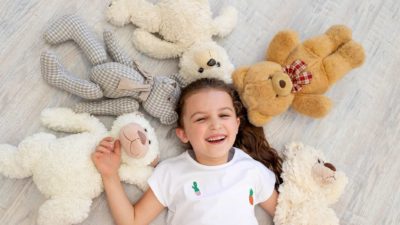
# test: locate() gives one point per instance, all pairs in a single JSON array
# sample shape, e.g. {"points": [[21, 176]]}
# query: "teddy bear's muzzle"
{"points": [[281, 83], [134, 140], [324, 173]]}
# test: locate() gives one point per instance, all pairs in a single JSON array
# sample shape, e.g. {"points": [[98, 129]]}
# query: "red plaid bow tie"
{"points": [[297, 74]]}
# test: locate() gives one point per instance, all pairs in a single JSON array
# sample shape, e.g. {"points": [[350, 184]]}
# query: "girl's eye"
{"points": [[199, 119], [224, 115]]}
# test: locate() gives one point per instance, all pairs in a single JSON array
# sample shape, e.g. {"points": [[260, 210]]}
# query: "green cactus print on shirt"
{"points": [[196, 188]]}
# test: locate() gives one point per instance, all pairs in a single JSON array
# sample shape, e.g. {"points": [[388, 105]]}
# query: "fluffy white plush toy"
{"points": [[186, 27], [310, 186], [62, 168]]}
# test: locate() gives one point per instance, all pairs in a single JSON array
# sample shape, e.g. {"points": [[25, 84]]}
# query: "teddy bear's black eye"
{"points": [[145, 129], [218, 64], [319, 161], [201, 70], [149, 142]]}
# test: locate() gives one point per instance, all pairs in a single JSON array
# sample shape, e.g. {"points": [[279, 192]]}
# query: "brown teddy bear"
{"points": [[297, 74]]}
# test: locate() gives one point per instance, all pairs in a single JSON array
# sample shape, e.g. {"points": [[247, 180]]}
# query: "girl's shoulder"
{"points": [[240, 154], [172, 162], [243, 157]]}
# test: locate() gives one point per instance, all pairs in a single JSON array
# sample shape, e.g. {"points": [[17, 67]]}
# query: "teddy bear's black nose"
{"points": [[211, 62], [282, 83], [330, 166]]}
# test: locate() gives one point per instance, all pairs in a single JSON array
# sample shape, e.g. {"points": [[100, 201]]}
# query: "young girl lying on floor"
{"points": [[228, 169]]}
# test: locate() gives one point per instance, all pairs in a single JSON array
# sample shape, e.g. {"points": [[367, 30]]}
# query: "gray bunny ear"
{"points": [[115, 50], [168, 85], [169, 119], [179, 79]]}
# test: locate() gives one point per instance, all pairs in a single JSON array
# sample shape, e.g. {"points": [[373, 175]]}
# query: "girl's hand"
{"points": [[107, 157]]}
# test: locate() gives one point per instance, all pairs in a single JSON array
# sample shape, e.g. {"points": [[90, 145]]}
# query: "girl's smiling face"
{"points": [[210, 125]]}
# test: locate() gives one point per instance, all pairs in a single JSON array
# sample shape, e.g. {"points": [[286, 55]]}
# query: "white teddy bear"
{"points": [[62, 168], [310, 186], [186, 27]]}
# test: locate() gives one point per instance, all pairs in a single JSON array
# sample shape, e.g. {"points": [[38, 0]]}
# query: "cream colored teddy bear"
{"points": [[186, 28], [62, 168], [310, 185]]}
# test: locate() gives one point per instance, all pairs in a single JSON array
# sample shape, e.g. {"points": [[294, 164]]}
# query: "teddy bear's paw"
{"points": [[118, 13], [226, 21], [346, 58], [281, 45], [339, 34], [353, 53], [64, 211], [315, 106], [10, 164], [66, 120], [60, 119], [155, 47], [257, 119], [52, 115]]}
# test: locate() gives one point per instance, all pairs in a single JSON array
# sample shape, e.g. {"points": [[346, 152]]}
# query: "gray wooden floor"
{"points": [[360, 135]]}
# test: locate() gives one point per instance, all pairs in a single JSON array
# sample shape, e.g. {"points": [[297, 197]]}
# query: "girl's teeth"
{"points": [[216, 138]]}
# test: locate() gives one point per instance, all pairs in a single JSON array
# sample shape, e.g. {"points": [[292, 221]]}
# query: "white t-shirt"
{"points": [[226, 194]]}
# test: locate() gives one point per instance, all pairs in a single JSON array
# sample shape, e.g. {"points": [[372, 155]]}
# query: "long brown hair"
{"points": [[250, 139]]}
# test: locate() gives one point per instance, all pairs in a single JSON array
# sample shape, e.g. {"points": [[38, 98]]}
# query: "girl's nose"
{"points": [[215, 123]]}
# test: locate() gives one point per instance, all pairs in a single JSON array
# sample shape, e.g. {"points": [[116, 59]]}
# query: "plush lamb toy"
{"points": [[310, 186], [62, 168], [186, 27], [118, 81]]}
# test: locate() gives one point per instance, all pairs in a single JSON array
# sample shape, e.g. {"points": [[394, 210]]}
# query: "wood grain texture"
{"points": [[361, 135]]}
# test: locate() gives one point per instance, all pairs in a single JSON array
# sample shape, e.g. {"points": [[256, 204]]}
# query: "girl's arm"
{"points": [[107, 160], [270, 204], [143, 212]]}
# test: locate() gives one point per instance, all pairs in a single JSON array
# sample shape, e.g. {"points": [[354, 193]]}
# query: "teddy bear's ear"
{"points": [[238, 77], [292, 148]]}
